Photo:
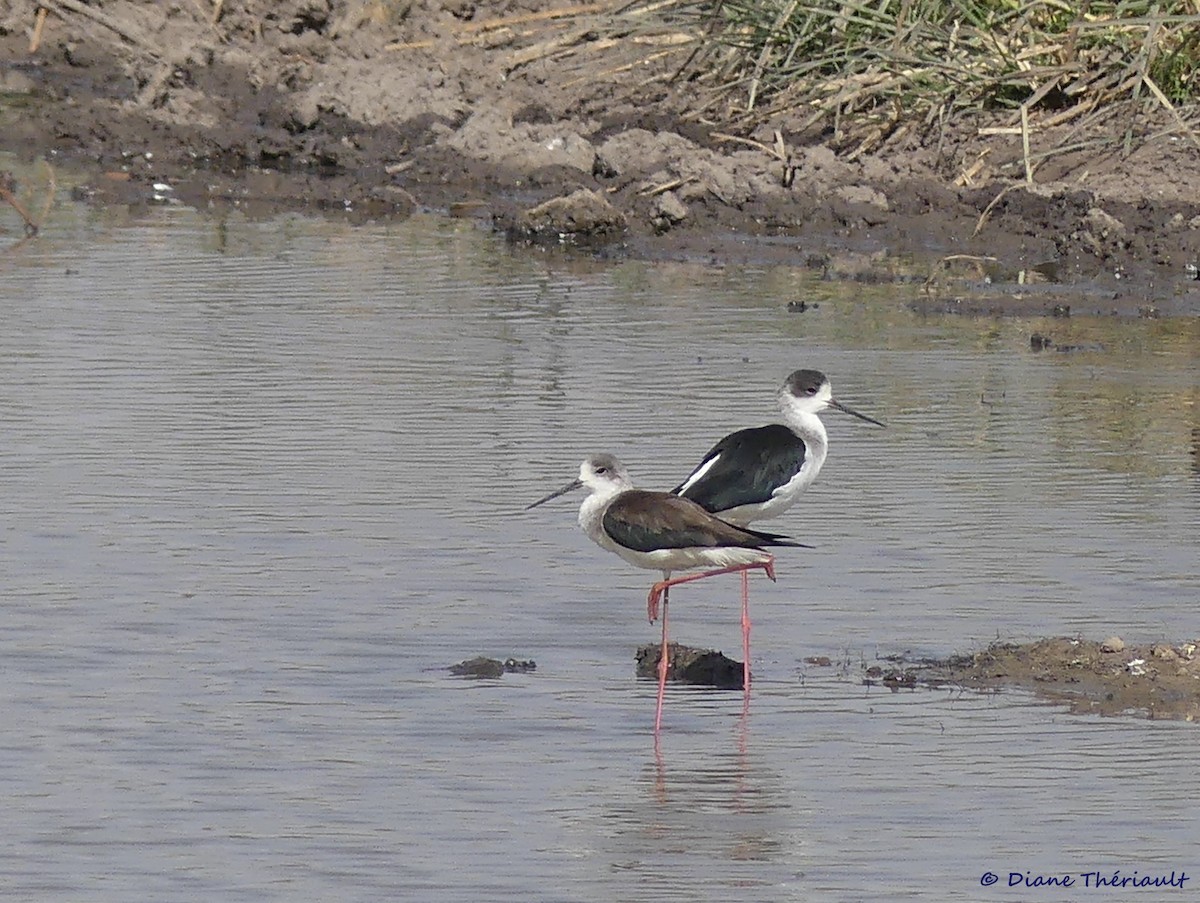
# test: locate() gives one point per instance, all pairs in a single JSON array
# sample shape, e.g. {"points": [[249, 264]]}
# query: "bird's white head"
{"points": [[807, 392], [603, 475]]}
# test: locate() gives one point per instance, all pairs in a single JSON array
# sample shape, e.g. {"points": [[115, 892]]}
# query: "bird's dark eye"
{"points": [[811, 390], [601, 470]]}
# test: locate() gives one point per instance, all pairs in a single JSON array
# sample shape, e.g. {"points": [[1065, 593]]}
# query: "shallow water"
{"points": [[263, 481]]}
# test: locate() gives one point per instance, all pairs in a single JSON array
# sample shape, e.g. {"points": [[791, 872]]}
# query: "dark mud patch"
{"points": [[1158, 680]]}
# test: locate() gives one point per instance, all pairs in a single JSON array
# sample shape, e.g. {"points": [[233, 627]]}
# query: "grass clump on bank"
{"points": [[871, 69]]}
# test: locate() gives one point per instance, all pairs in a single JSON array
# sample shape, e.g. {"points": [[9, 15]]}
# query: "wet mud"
{"points": [[1103, 677], [526, 116]]}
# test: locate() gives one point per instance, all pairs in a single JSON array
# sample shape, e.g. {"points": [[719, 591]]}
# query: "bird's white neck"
{"points": [[807, 426], [591, 512]]}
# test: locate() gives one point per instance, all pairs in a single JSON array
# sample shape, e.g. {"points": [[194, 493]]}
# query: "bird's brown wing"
{"points": [[645, 521]]}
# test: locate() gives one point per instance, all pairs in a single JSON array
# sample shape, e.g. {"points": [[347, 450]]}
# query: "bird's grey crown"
{"points": [[803, 383], [602, 463]]}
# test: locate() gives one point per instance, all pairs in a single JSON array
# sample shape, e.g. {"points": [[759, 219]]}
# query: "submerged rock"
{"points": [[481, 666], [687, 664]]}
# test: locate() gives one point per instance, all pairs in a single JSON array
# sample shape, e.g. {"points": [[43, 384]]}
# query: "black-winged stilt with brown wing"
{"points": [[664, 532]]}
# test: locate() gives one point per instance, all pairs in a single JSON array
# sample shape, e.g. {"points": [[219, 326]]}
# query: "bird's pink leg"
{"points": [[656, 591], [746, 631], [662, 664], [661, 590]]}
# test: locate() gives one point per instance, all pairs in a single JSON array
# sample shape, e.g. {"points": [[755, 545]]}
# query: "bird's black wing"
{"points": [[744, 468]]}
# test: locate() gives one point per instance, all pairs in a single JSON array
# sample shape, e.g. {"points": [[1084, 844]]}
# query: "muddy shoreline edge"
{"points": [[1100, 677], [341, 109]]}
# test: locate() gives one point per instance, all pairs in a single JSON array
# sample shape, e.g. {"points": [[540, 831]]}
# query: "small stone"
{"points": [[566, 149], [1104, 223], [1165, 652], [583, 213], [1113, 644], [863, 194], [15, 82], [667, 206], [604, 168], [306, 112]]}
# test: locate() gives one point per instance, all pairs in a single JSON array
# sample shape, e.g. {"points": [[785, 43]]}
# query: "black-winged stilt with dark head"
{"points": [[663, 532], [760, 472]]}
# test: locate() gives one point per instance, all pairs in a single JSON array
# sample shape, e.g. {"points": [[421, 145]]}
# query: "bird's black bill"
{"points": [[853, 413], [574, 484]]}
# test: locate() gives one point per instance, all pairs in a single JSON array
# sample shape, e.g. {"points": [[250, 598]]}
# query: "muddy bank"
{"points": [[576, 113], [1105, 677]]}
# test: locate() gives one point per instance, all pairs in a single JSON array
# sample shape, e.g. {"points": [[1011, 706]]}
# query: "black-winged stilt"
{"points": [[661, 531], [760, 472]]}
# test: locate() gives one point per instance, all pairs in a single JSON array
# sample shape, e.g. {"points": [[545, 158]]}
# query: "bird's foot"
{"points": [[768, 567], [652, 602]]}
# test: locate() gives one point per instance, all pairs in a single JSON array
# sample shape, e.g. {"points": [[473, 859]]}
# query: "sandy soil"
{"points": [[561, 121], [369, 107]]}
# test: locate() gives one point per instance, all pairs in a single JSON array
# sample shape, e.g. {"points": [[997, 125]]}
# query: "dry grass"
{"points": [[869, 69], [863, 72]]}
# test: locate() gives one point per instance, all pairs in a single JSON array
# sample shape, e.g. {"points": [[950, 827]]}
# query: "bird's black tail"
{"points": [[775, 539]]}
